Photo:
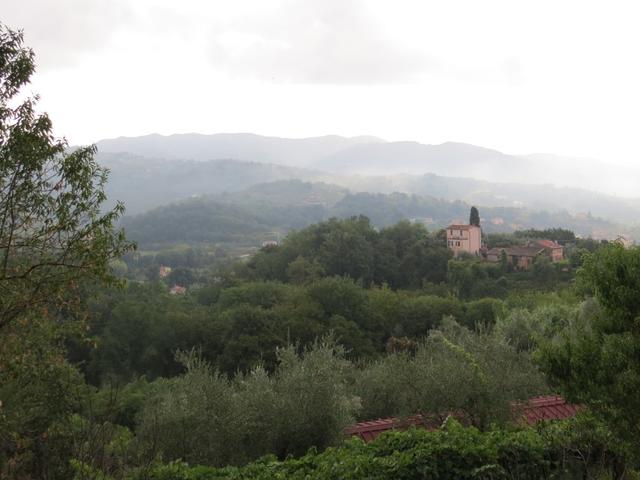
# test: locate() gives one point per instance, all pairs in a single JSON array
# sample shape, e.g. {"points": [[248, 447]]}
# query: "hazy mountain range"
{"points": [[303, 152], [366, 155], [144, 183], [154, 170]]}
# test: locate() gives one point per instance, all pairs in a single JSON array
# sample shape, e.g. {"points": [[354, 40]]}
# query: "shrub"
{"points": [[451, 452]]}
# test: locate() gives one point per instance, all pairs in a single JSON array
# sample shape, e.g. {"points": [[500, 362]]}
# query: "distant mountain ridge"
{"points": [[302, 152], [366, 155], [145, 183]]}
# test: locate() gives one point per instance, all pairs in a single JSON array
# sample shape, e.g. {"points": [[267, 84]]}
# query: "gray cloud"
{"points": [[60, 31], [290, 41], [328, 41]]}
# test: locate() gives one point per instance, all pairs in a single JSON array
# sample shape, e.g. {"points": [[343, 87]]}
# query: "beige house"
{"points": [[464, 238]]}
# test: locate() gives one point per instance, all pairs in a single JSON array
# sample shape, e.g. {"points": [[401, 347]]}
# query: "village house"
{"points": [[552, 249], [178, 290], [520, 257], [164, 271], [464, 238]]}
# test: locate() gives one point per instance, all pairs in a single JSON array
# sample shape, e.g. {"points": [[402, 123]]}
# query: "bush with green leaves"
{"points": [[524, 329], [595, 359], [452, 452], [453, 370], [203, 417]]}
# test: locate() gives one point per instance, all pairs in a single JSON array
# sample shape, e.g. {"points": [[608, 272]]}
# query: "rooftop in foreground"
{"points": [[537, 409]]}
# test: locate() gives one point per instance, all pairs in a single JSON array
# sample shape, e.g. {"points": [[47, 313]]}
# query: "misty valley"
{"points": [[241, 306]]}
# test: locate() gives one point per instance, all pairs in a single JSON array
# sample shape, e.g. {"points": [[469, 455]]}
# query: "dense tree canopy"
{"points": [[596, 359], [404, 255]]}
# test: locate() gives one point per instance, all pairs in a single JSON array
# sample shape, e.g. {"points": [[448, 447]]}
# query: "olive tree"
{"points": [[205, 417], [453, 371]]}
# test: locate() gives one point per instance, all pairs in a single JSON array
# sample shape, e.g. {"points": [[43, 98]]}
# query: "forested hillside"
{"points": [[146, 183], [268, 211]]}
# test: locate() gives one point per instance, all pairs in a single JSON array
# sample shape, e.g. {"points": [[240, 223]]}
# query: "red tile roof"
{"points": [[367, 431], [547, 244], [178, 290], [550, 407], [516, 251], [461, 227]]}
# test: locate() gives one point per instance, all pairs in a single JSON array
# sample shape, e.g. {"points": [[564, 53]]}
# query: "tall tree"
{"points": [[474, 217], [52, 230], [54, 238]]}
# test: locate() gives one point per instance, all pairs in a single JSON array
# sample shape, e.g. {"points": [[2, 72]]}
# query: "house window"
{"points": [[457, 244]]}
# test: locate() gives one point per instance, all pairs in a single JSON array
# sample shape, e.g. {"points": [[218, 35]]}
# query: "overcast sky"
{"points": [[521, 77]]}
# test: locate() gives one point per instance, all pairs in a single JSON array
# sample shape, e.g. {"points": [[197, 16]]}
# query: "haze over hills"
{"points": [[449, 158], [268, 211], [619, 180], [366, 155], [302, 152], [153, 171], [143, 183], [578, 201]]}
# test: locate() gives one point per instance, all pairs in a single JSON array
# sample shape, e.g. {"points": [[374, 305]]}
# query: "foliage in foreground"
{"points": [[55, 238], [558, 451], [204, 417], [596, 360], [452, 370]]}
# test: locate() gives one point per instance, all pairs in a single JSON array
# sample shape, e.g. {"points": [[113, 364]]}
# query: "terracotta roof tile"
{"points": [[548, 244], [517, 251], [549, 407], [461, 227]]}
